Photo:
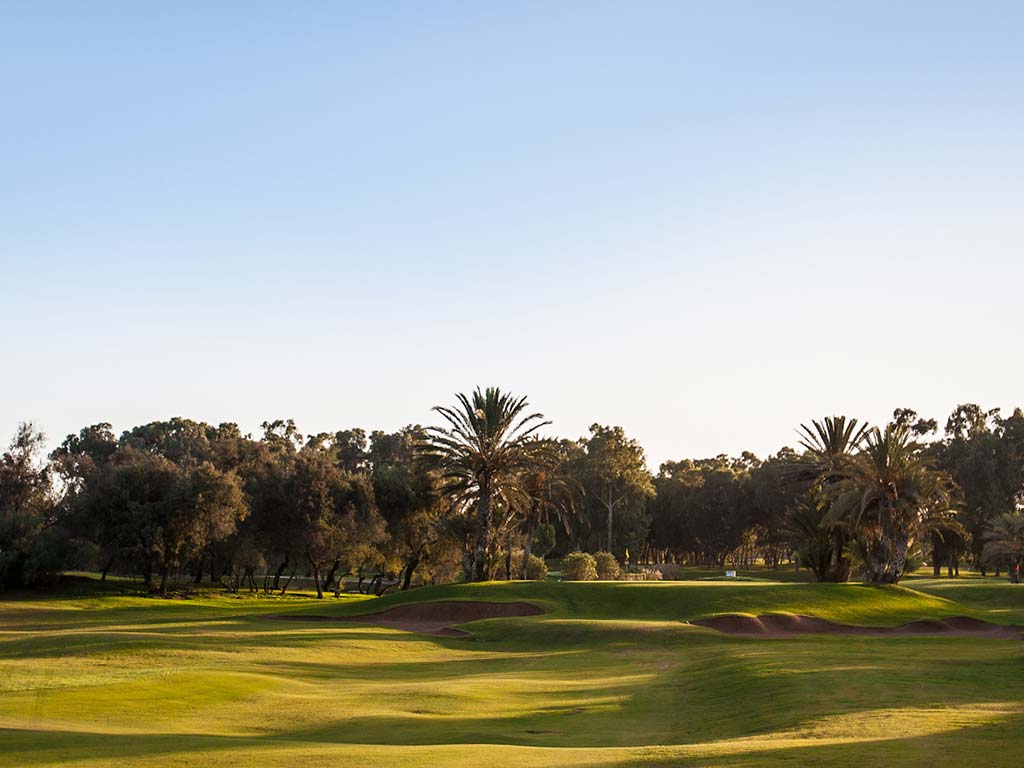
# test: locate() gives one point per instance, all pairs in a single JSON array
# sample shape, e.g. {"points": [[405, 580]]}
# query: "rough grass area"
{"points": [[610, 675]]}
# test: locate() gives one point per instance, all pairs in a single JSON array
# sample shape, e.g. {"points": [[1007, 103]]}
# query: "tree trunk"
{"points": [[280, 571], [610, 507], [482, 531], [528, 548], [106, 568], [375, 584], [898, 548], [410, 567], [288, 583], [319, 586], [329, 579], [164, 574]]}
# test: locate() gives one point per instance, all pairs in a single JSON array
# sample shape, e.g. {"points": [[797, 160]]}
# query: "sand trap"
{"points": [[432, 618], [784, 625]]}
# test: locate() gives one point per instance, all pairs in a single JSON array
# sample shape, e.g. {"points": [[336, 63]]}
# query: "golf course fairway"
{"points": [[610, 674]]}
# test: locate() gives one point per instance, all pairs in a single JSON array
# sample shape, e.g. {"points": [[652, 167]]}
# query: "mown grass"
{"points": [[610, 675]]}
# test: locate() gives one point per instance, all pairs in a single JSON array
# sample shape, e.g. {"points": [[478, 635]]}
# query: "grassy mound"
{"points": [[684, 601]]}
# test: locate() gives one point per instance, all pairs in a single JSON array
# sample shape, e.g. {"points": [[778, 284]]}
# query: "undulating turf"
{"points": [[610, 675]]}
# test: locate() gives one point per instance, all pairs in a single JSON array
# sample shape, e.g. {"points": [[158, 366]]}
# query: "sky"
{"points": [[703, 222]]}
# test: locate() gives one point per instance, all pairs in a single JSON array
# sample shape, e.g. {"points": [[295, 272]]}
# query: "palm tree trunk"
{"points": [[610, 507], [528, 548], [482, 531], [900, 547]]}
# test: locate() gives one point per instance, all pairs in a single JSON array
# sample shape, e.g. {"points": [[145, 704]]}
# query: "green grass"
{"points": [[609, 676]]}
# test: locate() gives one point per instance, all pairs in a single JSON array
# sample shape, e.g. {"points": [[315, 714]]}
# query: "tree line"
{"points": [[485, 493]]}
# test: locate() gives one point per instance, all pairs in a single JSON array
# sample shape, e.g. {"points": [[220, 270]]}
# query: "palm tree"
{"points": [[1004, 543], [488, 442], [814, 541], [829, 447], [889, 496], [545, 493]]}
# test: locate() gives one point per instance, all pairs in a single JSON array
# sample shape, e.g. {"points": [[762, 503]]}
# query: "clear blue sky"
{"points": [[705, 222]]}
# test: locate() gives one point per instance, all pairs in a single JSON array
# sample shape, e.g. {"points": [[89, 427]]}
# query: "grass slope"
{"points": [[609, 676]]}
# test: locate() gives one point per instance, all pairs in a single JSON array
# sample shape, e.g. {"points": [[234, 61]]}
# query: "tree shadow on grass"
{"points": [[993, 745]]}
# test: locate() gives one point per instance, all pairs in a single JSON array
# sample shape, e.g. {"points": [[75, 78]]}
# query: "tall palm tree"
{"points": [[889, 496], [488, 442], [829, 449]]}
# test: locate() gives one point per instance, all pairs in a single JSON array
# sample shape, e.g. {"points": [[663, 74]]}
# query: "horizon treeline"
{"points": [[486, 495]]}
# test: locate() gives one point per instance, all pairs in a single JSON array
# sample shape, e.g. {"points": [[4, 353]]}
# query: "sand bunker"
{"points": [[432, 618], [784, 625]]}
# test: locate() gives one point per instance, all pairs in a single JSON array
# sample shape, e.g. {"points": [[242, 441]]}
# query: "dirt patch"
{"points": [[435, 618], [785, 625]]}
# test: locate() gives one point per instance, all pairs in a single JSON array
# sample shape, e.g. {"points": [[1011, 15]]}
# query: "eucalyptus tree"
{"points": [[702, 509], [205, 507], [92, 513], [332, 516], [30, 548], [486, 445], [407, 495], [613, 472]]}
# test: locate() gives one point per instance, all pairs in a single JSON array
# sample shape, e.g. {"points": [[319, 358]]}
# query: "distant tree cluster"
{"points": [[183, 497], [854, 499], [486, 495]]}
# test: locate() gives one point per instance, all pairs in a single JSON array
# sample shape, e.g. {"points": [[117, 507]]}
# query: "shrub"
{"points": [[669, 571], [579, 566], [645, 574], [607, 566], [536, 569]]}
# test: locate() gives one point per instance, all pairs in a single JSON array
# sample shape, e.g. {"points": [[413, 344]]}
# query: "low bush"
{"points": [[607, 566], [644, 574], [579, 566], [536, 568], [669, 571]]}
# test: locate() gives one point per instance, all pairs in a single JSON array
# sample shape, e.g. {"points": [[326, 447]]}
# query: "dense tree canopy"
{"points": [[179, 501]]}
